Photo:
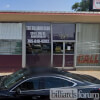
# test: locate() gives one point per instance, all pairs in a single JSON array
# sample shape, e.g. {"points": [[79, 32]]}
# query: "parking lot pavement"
{"points": [[92, 73]]}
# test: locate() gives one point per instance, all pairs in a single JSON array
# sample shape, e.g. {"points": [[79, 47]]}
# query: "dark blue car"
{"points": [[35, 83]]}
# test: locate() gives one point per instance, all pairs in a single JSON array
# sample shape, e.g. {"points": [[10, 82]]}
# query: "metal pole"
{"points": [[51, 46]]}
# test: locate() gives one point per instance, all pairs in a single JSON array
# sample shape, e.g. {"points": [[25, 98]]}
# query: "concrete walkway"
{"points": [[1, 74]]}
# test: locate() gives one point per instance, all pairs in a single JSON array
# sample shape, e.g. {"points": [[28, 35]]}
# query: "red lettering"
{"points": [[86, 59], [96, 59], [79, 58], [89, 59]]}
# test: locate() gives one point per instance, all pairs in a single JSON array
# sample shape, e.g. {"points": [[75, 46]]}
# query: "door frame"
{"points": [[64, 54]]}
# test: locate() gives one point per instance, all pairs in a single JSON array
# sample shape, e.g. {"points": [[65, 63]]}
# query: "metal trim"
{"points": [[23, 45], [51, 46]]}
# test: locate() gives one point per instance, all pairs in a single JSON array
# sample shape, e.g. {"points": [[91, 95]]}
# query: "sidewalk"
{"points": [[1, 74]]}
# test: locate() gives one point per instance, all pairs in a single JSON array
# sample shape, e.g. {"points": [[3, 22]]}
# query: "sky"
{"points": [[37, 5]]}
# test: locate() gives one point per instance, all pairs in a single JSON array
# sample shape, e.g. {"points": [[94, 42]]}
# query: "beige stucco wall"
{"points": [[50, 17]]}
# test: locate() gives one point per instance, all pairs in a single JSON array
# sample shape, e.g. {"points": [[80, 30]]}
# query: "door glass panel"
{"points": [[69, 48], [57, 60], [69, 60], [57, 54], [58, 48], [69, 54]]}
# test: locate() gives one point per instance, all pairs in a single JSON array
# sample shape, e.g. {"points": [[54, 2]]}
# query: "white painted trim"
{"points": [[69, 54], [58, 54], [23, 46], [64, 41], [51, 46], [87, 66], [63, 55], [77, 32]]}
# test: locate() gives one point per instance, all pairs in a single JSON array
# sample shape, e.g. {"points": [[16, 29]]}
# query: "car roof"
{"points": [[39, 71], [33, 71]]}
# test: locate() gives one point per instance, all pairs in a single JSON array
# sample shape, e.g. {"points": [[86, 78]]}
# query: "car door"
{"points": [[29, 88], [40, 87], [55, 82]]}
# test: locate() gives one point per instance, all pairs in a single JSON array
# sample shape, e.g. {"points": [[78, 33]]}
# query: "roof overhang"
{"points": [[78, 17]]}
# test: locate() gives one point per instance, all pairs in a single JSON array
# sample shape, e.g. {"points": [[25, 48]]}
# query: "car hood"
{"points": [[3, 77]]}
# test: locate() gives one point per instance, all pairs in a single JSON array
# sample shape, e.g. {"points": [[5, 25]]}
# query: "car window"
{"points": [[44, 83], [41, 83], [51, 82], [32, 84], [14, 78]]}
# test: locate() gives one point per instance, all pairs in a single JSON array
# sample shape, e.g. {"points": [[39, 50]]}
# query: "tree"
{"points": [[76, 6], [81, 6]]}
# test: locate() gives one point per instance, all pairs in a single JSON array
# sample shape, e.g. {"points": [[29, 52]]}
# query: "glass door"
{"points": [[58, 54], [69, 54], [63, 54]]}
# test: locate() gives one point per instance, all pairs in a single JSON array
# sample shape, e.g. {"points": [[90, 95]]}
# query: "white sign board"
{"points": [[96, 4]]}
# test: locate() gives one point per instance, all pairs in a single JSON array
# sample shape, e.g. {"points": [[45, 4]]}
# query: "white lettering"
{"points": [[45, 28]]}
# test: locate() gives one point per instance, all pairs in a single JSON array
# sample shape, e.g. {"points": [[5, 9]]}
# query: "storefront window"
{"points": [[38, 48], [10, 47], [38, 38], [58, 48], [63, 31], [38, 44], [10, 38], [88, 45]]}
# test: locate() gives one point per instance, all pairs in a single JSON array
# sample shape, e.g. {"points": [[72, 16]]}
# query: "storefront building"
{"points": [[63, 40]]}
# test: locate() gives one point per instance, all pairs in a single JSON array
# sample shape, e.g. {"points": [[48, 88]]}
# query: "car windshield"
{"points": [[13, 78]]}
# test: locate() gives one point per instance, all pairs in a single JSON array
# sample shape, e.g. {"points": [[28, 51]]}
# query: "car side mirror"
{"points": [[18, 91]]}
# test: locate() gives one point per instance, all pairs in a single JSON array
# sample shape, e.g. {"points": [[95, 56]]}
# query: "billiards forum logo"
{"points": [[71, 94], [96, 4]]}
